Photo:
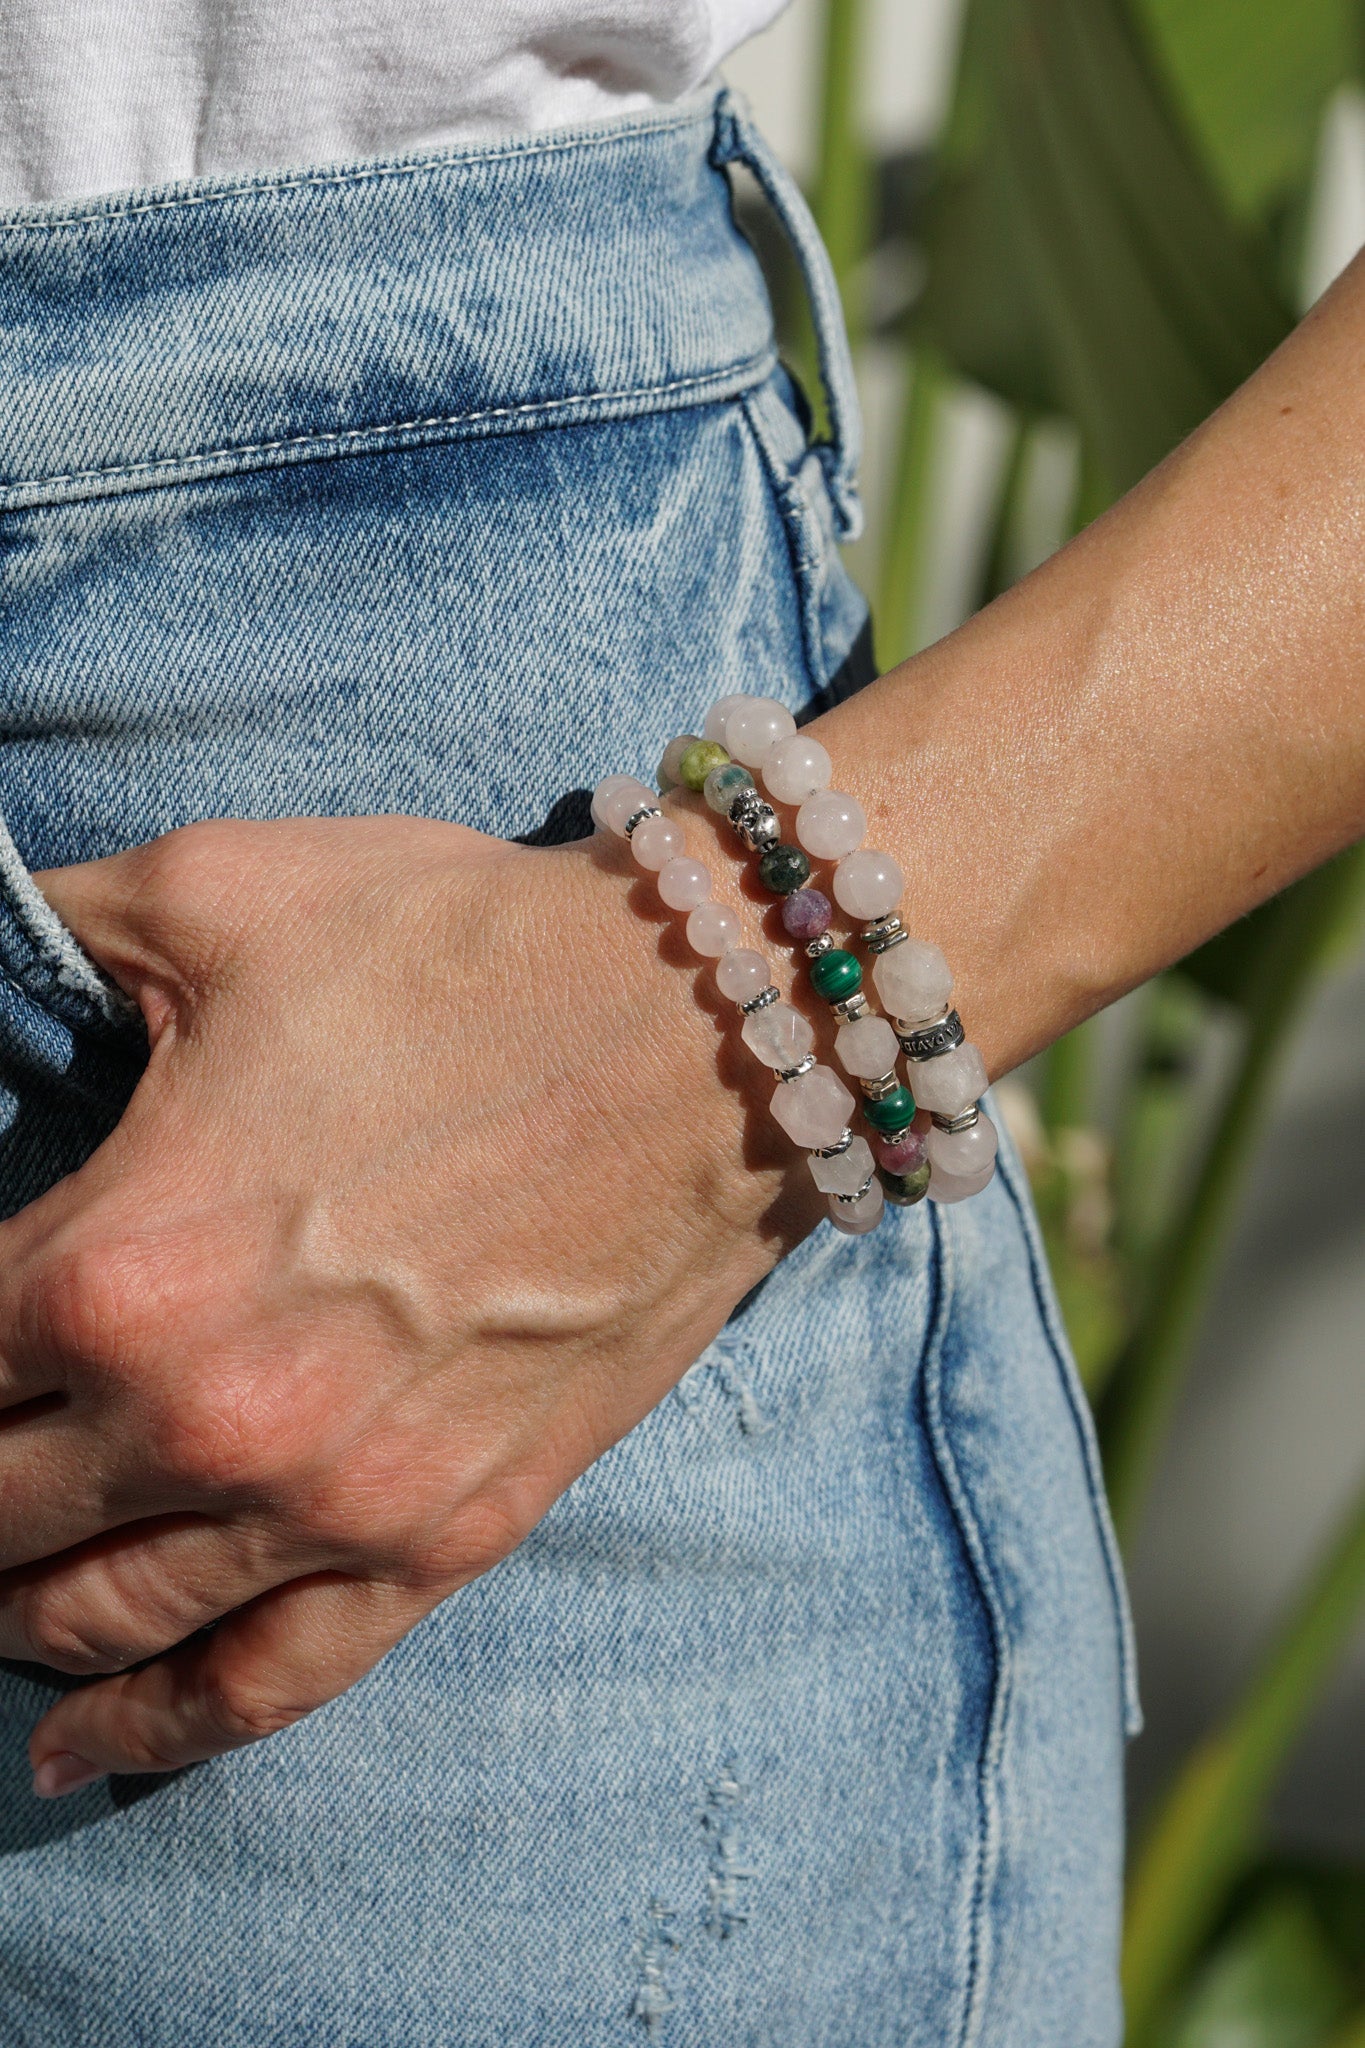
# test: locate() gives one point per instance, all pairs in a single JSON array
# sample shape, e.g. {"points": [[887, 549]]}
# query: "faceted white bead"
{"points": [[656, 841], [867, 1048], [683, 882], [778, 1035], [712, 930], [831, 824], [913, 980], [963, 1153], [814, 1108], [615, 801], [855, 1219], [742, 974], [868, 884], [845, 1173], [796, 768], [667, 777], [713, 726], [956, 1187], [950, 1083], [754, 725]]}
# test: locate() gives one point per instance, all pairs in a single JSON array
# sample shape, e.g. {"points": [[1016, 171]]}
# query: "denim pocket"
{"points": [[45, 962]]}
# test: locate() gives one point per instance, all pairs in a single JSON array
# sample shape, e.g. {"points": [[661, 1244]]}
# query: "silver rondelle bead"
{"points": [[877, 1089], [926, 1041], [852, 1008], [964, 1121], [802, 1067], [767, 995], [858, 1193], [645, 811], [841, 1144], [883, 933], [815, 947]]}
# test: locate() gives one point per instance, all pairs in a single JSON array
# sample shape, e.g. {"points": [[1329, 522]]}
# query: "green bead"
{"points": [[784, 868], [836, 974], [724, 784], [895, 1112], [696, 764], [905, 1188]]}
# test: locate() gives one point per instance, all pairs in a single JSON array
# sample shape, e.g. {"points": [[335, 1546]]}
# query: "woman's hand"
{"points": [[440, 1175]]}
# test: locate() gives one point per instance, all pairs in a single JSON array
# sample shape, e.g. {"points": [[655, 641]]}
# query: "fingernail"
{"points": [[62, 1773]]}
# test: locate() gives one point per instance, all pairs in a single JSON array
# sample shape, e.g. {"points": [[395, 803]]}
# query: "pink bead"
{"points": [[845, 1173], [904, 1154], [779, 1036], [712, 930], [615, 801], [683, 883], [950, 1083], [741, 975], [713, 727], [814, 1109], [754, 725], [868, 1048], [963, 1153], [868, 884], [957, 1187], [913, 981], [655, 842], [855, 1219], [831, 824], [806, 913], [795, 768]]}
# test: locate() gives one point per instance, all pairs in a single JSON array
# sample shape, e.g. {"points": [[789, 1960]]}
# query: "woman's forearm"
{"points": [[1156, 730]]}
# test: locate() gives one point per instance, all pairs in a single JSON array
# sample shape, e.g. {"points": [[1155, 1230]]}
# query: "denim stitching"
{"points": [[361, 174], [973, 1544], [794, 519], [759, 365]]}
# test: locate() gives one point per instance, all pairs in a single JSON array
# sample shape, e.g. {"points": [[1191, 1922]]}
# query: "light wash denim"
{"points": [[444, 486]]}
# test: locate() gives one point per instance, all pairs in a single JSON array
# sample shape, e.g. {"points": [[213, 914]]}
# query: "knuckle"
{"points": [[221, 1435], [241, 1709], [89, 1304], [69, 1642]]}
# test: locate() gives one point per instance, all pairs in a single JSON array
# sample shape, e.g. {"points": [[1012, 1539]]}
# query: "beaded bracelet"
{"points": [[810, 1102], [955, 1157]]}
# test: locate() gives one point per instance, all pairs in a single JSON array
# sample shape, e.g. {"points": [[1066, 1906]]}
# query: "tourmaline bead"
{"points": [[868, 884], [724, 784], [742, 974], [615, 801], [902, 1154], [806, 913], [712, 930], [668, 776], [783, 868], [683, 882], [913, 981], [696, 764], [867, 1048], [956, 1187], [906, 1188], [656, 841], [893, 1113], [831, 824], [950, 1083], [962, 1153], [845, 1173], [754, 725], [796, 768], [814, 1109], [778, 1035], [855, 1219], [836, 974], [713, 725]]}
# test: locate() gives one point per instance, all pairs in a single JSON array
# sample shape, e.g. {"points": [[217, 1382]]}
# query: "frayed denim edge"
{"points": [[58, 966]]}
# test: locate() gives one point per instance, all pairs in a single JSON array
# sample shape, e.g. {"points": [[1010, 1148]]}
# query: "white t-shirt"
{"points": [[102, 95]]}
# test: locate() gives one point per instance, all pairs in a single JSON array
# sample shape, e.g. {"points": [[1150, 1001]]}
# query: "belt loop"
{"points": [[738, 141]]}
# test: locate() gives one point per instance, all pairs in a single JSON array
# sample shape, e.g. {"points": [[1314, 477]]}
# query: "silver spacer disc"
{"points": [[770, 994], [802, 1066]]}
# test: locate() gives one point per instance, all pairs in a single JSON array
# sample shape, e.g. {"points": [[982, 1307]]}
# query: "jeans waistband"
{"points": [[196, 329]]}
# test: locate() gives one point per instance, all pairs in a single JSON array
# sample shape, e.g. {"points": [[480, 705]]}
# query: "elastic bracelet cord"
{"points": [[810, 1101], [950, 1154]]}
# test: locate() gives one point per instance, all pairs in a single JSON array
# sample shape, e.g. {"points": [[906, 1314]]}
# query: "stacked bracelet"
{"points": [[810, 1102]]}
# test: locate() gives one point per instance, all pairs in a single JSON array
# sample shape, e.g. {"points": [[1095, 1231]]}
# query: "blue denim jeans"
{"points": [[444, 486]]}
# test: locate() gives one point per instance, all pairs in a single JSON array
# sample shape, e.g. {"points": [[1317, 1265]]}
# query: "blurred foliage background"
{"points": [[1109, 234]]}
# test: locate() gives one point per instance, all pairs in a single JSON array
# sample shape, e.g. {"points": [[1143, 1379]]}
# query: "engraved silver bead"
{"points": [[964, 1121], [883, 933], [637, 817], [926, 1041], [858, 1193], [823, 944], [879, 1087], [841, 1144], [802, 1066], [767, 995]]}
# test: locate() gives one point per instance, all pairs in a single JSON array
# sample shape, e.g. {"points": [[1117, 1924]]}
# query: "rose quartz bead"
{"points": [[796, 768], [845, 1173], [742, 974], [831, 824], [913, 981], [754, 725], [903, 1154], [949, 1084], [868, 884], [814, 1109], [655, 842], [855, 1219], [616, 800], [683, 882], [806, 913], [867, 1048], [963, 1153], [778, 1035], [713, 725], [671, 764], [712, 930], [956, 1187]]}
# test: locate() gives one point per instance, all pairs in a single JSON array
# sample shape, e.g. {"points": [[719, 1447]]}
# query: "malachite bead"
{"points": [[784, 868], [696, 764], [905, 1188], [724, 784], [894, 1111], [836, 974]]}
